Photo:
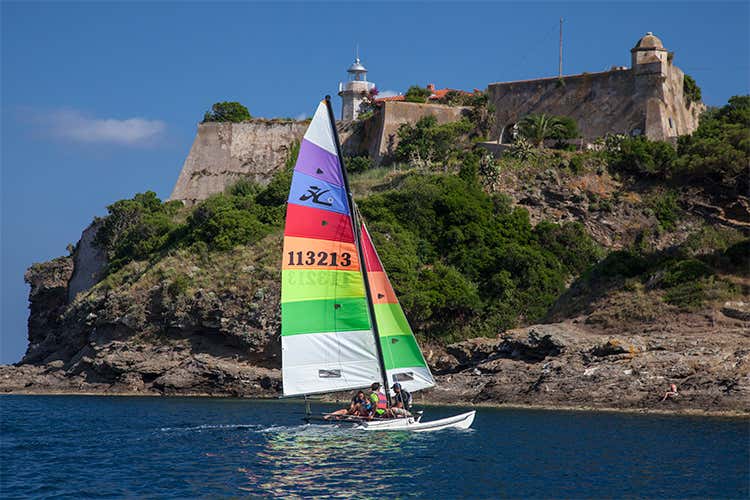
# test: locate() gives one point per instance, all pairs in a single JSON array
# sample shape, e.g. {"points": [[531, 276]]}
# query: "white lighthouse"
{"points": [[354, 90]]}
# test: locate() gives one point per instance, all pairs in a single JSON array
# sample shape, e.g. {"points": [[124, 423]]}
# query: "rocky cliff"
{"points": [[208, 323]]}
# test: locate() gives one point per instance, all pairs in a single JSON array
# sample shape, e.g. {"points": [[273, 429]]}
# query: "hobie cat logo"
{"points": [[314, 193]]}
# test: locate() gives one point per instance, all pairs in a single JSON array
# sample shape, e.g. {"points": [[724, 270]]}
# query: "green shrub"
{"points": [[666, 209], [694, 295], [136, 228], [570, 243], [625, 263], [415, 93], [429, 141], [357, 164], [576, 164], [640, 156], [685, 271], [227, 112], [719, 150], [179, 286], [691, 89]]}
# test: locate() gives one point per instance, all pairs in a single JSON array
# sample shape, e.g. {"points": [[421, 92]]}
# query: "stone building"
{"points": [[645, 99]]}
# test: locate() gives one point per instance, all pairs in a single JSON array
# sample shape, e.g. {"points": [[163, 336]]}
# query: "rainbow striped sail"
{"points": [[327, 336], [327, 340]]}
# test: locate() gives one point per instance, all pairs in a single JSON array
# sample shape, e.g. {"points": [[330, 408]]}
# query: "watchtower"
{"points": [[649, 55]]}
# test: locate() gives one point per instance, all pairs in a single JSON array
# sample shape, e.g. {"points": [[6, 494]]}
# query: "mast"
{"points": [[358, 241]]}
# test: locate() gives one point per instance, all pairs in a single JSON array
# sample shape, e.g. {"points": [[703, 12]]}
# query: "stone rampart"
{"points": [[619, 101], [223, 153], [396, 113]]}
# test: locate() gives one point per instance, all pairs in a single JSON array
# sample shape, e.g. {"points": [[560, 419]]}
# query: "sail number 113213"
{"points": [[310, 258]]}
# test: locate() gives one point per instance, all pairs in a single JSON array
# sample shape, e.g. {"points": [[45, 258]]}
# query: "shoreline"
{"points": [[677, 412]]}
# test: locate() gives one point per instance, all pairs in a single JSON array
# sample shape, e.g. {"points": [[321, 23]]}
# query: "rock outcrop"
{"points": [[153, 338], [573, 365]]}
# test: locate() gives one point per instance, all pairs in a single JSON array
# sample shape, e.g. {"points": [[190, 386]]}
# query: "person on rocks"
{"points": [[671, 393], [401, 401]]}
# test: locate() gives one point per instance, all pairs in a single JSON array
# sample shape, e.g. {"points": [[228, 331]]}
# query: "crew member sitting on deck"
{"points": [[379, 402], [401, 401], [359, 406]]}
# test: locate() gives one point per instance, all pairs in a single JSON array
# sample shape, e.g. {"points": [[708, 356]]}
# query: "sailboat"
{"points": [[342, 327]]}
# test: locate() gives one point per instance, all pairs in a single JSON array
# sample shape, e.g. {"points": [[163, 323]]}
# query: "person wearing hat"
{"points": [[401, 401], [379, 402]]}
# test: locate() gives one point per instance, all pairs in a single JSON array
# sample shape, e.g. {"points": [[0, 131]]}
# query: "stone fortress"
{"points": [[645, 99]]}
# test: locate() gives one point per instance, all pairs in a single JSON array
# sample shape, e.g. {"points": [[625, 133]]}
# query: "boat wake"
{"points": [[211, 427]]}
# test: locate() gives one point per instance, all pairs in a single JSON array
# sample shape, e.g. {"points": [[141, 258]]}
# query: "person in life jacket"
{"points": [[379, 402], [401, 401]]}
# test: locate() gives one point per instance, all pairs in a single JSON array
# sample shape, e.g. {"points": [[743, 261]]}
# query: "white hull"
{"points": [[462, 421]]}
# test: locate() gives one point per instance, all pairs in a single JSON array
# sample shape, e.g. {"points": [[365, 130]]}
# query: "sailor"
{"points": [[379, 402], [358, 406], [401, 401]]}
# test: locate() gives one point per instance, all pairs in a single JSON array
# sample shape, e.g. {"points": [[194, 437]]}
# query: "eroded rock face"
{"points": [[47, 300], [90, 262]]}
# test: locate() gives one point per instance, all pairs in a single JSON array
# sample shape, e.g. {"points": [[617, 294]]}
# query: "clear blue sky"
{"points": [[101, 100]]}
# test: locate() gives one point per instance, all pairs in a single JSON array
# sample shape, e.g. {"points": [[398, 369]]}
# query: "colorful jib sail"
{"points": [[404, 362], [327, 337]]}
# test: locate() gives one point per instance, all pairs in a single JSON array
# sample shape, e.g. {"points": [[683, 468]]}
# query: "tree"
{"points": [[227, 112], [429, 141], [417, 94], [719, 150], [638, 155], [691, 89], [537, 128], [568, 130]]}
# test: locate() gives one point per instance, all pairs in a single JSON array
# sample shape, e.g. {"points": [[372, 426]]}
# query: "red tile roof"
{"points": [[436, 94]]}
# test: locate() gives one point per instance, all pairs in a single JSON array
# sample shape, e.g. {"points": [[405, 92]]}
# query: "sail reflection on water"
{"points": [[317, 460]]}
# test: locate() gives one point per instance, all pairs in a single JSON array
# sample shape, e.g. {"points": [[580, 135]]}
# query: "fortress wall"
{"points": [[684, 117], [396, 113], [600, 102], [223, 153], [617, 101]]}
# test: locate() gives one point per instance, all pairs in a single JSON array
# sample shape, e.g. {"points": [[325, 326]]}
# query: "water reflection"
{"points": [[331, 461]]}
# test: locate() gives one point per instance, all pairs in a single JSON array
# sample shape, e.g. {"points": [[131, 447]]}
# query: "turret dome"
{"points": [[649, 41]]}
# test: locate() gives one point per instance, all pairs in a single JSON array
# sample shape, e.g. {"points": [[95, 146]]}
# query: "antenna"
{"points": [[560, 65], [356, 51]]}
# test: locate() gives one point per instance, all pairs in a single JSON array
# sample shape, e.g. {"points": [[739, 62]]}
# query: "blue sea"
{"points": [[112, 447]]}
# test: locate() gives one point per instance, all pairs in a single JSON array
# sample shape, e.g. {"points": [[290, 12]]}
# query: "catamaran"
{"points": [[342, 327]]}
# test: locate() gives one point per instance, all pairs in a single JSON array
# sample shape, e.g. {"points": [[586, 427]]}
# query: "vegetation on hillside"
{"points": [[711, 266], [716, 154], [463, 259]]}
